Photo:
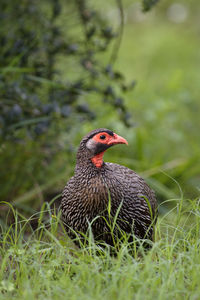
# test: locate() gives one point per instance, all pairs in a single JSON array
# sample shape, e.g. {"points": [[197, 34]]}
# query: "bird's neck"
{"points": [[89, 164]]}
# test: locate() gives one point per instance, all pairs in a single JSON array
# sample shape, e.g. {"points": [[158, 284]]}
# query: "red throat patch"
{"points": [[98, 159]]}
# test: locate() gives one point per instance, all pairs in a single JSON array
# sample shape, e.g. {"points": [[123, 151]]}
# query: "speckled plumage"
{"points": [[87, 194]]}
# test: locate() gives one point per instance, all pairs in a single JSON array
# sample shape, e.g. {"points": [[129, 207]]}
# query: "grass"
{"points": [[45, 264]]}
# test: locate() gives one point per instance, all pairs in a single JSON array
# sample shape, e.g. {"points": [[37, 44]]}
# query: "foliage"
{"points": [[148, 4], [34, 93], [52, 59], [163, 145]]}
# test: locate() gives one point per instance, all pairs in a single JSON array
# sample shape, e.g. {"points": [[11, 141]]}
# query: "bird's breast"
{"points": [[92, 192]]}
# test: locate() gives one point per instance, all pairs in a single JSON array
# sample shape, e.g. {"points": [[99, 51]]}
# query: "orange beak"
{"points": [[117, 139]]}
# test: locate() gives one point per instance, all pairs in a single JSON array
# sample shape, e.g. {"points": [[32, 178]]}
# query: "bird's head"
{"points": [[95, 143]]}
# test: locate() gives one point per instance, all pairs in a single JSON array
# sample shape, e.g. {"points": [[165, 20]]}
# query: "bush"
{"points": [[37, 40]]}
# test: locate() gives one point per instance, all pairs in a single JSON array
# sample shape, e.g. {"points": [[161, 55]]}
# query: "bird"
{"points": [[106, 198]]}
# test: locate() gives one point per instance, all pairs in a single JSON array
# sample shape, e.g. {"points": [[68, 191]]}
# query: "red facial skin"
{"points": [[109, 140]]}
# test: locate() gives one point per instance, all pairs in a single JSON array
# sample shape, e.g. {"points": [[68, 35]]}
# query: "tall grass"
{"points": [[44, 263]]}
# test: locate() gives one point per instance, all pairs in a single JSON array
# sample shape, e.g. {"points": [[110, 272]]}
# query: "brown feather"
{"points": [[88, 192]]}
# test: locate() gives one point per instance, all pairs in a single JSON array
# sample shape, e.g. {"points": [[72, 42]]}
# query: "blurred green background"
{"points": [[159, 51]]}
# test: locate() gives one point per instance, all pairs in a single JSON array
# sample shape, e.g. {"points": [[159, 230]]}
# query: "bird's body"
{"points": [[100, 192]]}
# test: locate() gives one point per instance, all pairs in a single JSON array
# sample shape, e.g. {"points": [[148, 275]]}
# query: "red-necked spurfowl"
{"points": [[99, 191]]}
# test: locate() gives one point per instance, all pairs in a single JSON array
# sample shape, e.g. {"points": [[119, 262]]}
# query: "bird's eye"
{"points": [[102, 137]]}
